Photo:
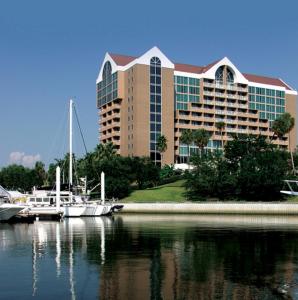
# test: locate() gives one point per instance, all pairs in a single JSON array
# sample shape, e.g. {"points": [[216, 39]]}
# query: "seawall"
{"points": [[234, 208]]}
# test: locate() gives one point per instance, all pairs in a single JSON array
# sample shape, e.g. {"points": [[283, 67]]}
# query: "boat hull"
{"points": [[96, 210], [7, 211], [73, 211]]}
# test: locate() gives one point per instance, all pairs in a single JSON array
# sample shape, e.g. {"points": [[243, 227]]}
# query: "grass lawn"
{"points": [[171, 192], [292, 199]]}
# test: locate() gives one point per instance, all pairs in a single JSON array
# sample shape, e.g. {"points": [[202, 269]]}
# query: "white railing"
{"points": [[220, 95], [232, 104], [221, 112], [208, 84], [220, 103], [231, 96], [231, 113], [242, 89], [208, 101], [231, 129], [231, 87], [208, 93], [220, 85]]}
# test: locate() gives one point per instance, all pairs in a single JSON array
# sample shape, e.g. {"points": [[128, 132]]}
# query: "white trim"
{"points": [[238, 77], [113, 65], [289, 92], [267, 86], [143, 60], [273, 87], [286, 84], [146, 57]]}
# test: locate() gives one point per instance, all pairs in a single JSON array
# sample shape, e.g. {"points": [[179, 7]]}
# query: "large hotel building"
{"points": [[140, 98]]}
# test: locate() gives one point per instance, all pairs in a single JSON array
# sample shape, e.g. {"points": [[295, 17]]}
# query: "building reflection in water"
{"points": [[159, 257]]}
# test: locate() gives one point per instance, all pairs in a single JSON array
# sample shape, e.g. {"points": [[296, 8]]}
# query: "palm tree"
{"points": [[282, 126], [220, 126], [201, 138], [187, 138], [161, 145], [105, 151]]}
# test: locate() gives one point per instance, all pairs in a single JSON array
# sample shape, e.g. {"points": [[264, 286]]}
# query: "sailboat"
{"points": [[72, 205]]}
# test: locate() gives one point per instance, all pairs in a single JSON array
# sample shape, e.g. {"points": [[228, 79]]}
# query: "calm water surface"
{"points": [[151, 257]]}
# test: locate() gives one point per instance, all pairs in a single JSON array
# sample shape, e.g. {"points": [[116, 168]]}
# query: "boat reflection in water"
{"points": [[151, 256]]}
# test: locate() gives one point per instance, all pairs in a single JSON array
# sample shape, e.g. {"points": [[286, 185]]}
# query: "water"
{"points": [[151, 257]]}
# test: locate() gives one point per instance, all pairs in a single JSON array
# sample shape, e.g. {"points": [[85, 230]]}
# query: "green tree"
{"points": [[220, 126], [162, 145], [282, 126], [187, 139], [201, 138], [41, 173], [103, 151]]}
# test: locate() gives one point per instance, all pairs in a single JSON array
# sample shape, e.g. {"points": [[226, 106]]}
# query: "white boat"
{"points": [[41, 201], [71, 205], [7, 209], [293, 188]]}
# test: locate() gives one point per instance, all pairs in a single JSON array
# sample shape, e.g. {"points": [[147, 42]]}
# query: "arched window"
{"points": [[155, 61], [219, 75], [107, 70], [230, 75]]}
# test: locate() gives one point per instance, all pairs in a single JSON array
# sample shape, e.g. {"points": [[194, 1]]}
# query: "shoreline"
{"points": [[225, 208]]}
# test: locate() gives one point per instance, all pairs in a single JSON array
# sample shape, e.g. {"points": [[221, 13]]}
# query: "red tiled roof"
{"points": [[194, 69], [189, 68], [266, 80], [122, 60], [206, 68]]}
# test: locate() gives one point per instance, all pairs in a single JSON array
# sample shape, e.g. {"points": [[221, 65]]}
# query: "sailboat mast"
{"points": [[70, 142]]}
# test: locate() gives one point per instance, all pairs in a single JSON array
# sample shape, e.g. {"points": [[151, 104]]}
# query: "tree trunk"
{"points": [[292, 158], [188, 156]]}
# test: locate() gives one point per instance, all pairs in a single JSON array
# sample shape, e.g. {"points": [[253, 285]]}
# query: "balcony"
{"points": [[222, 95], [208, 93], [209, 84], [209, 102]]}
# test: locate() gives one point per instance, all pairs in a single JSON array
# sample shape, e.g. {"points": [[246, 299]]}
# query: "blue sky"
{"points": [[52, 50]]}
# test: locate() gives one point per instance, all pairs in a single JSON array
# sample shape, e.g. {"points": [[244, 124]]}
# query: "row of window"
{"points": [[187, 98], [267, 108], [268, 100], [186, 80], [268, 116], [187, 89], [267, 92], [183, 149]]}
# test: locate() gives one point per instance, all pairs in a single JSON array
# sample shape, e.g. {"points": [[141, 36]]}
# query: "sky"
{"points": [[51, 51]]}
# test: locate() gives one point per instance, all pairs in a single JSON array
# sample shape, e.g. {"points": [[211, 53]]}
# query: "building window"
{"points": [[230, 76], [107, 89], [219, 74], [155, 107]]}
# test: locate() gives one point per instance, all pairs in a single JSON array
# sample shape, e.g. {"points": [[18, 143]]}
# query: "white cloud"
{"points": [[23, 159]]}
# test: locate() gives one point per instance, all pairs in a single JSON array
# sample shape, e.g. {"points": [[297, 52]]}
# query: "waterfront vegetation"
{"points": [[171, 192], [247, 168]]}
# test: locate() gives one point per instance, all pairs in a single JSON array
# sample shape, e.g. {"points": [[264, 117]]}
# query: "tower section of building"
{"points": [[141, 98]]}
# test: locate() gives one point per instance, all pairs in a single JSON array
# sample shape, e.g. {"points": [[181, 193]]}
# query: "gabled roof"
{"points": [[194, 69], [206, 68], [122, 60], [266, 80], [189, 68]]}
